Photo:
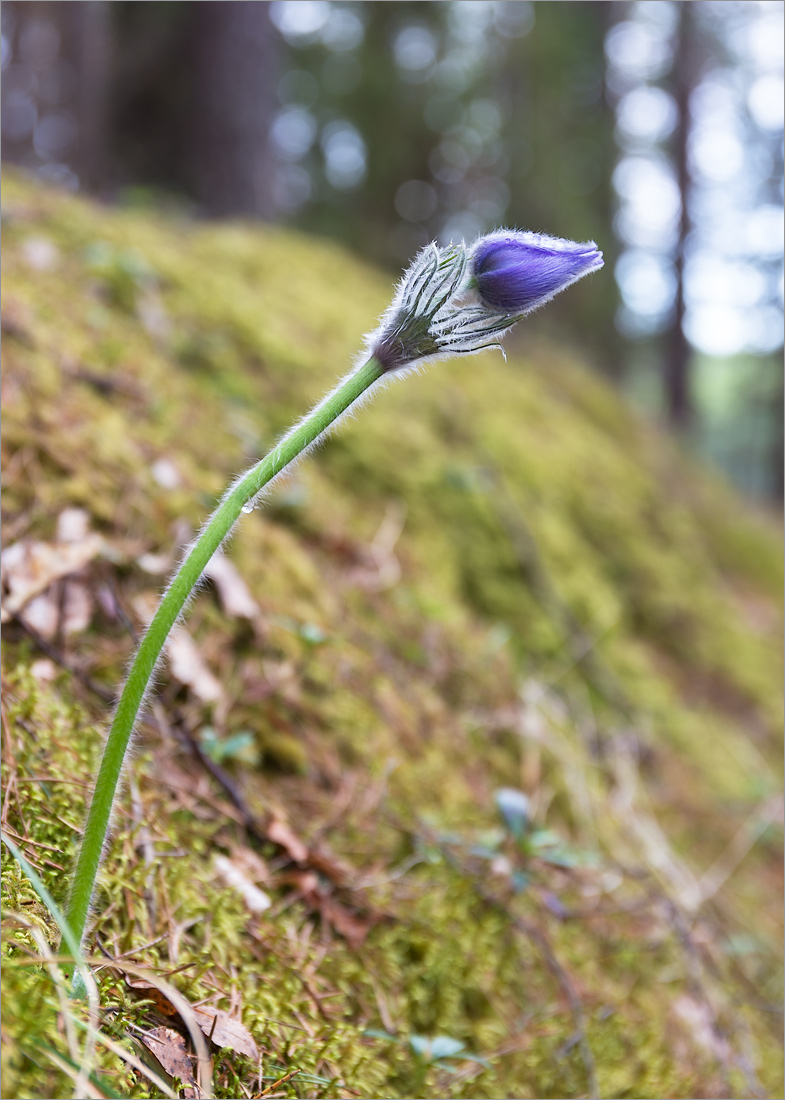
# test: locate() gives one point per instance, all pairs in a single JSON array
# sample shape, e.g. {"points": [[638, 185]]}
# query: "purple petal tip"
{"points": [[515, 271]]}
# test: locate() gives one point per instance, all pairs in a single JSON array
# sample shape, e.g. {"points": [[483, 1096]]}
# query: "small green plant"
{"points": [[437, 1051], [452, 300]]}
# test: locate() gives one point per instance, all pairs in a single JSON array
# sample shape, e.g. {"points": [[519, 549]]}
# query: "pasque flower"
{"points": [[512, 271], [515, 271], [432, 315]]}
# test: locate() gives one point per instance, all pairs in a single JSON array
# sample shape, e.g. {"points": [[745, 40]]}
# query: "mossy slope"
{"points": [[496, 577]]}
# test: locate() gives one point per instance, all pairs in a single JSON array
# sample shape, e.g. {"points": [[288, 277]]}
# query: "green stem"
{"points": [[292, 445]]}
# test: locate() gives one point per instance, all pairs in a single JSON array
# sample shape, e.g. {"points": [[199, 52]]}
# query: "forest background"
{"points": [[653, 128], [483, 711]]}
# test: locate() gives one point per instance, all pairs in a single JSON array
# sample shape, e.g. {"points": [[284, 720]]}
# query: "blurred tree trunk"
{"points": [[232, 103], [87, 44], [614, 362], [560, 141], [677, 350], [143, 109], [66, 49]]}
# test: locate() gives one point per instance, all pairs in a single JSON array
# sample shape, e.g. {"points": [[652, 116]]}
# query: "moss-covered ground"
{"points": [[495, 577]]}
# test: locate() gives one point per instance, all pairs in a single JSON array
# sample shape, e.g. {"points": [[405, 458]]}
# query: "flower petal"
{"points": [[515, 272]]}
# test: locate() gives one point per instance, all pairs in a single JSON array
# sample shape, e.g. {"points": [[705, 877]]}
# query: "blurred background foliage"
{"points": [[655, 128]]}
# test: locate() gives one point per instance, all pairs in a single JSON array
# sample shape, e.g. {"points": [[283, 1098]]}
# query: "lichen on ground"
{"points": [[496, 577]]}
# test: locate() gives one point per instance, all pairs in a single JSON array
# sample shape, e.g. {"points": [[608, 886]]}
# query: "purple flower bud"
{"points": [[515, 271]]}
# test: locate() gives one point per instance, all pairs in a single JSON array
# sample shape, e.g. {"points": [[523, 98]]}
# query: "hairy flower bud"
{"points": [[514, 271]]}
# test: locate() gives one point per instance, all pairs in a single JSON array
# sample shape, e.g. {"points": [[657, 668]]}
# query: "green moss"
{"points": [[498, 576]]}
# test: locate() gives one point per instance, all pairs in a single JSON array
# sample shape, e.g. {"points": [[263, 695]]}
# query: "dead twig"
{"points": [[222, 777], [275, 1084]]}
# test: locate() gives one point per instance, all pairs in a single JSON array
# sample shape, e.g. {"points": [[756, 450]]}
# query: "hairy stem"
{"points": [[297, 440]]}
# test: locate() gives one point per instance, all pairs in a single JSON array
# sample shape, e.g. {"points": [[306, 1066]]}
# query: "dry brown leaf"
{"points": [[78, 607], [354, 927], [307, 883], [188, 666], [319, 858], [144, 990], [233, 592], [170, 1053], [322, 860], [29, 567], [225, 1031], [282, 834], [216, 1024], [349, 923], [42, 614]]}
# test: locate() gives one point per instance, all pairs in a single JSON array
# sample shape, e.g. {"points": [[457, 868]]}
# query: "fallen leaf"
{"points": [[280, 833], [353, 926], [218, 1026], [29, 567], [78, 607], [330, 866], [307, 883], [42, 614], [170, 1053], [146, 991], [188, 666], [233, 592], [226, 1031], [319, 858]]}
